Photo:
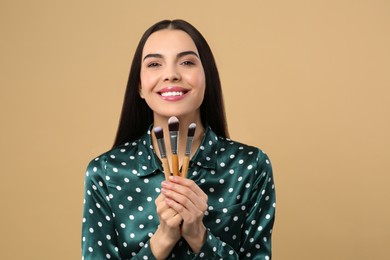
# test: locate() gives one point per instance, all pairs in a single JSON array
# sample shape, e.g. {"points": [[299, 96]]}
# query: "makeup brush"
{"points": [[190, 139], [173, 125], [158, 131]]}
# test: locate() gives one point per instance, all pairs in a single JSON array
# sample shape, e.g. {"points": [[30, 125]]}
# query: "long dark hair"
{"points": [[136, 115]]}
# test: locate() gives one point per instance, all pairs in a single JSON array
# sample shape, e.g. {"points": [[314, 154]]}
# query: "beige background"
{"points": [[307, 81]]}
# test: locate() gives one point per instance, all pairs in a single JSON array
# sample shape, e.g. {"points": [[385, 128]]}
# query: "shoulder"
{"points": [[240, 149], [251, 163], [114, 156], [248, 158]]}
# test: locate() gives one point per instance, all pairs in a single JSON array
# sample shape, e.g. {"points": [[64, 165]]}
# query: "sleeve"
{"points": [[256, 240], [99, 238], [214, 248], [99, 234], [257, 229]]}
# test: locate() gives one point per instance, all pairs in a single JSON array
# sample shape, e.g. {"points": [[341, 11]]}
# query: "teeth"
{"points": [[172, 94]]}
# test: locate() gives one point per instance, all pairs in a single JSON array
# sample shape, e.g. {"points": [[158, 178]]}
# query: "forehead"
{"points": [[169, 41]]}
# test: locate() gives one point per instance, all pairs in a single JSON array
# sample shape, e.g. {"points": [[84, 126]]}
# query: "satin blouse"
{"points": [[122, 184]]}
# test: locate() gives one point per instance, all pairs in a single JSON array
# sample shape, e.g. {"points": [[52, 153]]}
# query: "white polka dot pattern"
{"points": [[121, 187]]}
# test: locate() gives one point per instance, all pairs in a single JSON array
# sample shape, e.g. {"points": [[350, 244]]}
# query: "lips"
{"points": [[172, 93]]}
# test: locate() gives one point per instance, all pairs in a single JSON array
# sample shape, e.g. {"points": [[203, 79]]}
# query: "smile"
{"points": [[172, 94]]}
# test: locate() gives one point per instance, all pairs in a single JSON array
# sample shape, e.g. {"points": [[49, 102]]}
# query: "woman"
{"points": [[224, 209]]}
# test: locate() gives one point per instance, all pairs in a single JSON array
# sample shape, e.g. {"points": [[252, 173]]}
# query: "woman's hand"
{"points": [[187, 199], [168, 232]]}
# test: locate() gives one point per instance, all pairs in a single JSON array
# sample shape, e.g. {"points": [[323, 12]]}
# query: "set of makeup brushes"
{"points": [[173, 125]]}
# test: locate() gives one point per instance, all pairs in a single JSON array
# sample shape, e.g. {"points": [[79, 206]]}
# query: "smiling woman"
{"points": [[172, 76], [225, 208]]}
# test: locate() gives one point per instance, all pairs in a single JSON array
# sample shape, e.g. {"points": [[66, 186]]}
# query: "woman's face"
{"points": [[172, 76]]}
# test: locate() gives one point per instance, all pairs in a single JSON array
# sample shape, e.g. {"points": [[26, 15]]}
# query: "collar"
{"points": [[204, 157]]}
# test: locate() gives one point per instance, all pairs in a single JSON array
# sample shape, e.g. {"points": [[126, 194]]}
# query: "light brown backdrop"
{"points": [[307, 81]]}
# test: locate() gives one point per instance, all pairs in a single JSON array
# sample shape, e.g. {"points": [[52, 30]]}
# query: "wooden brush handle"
{"points": [[184, 169], [167, 171], [175, 165]]}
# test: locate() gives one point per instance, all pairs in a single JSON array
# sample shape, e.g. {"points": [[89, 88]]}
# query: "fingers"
{"points": [[185, 197], [167, 215], [174, 221], [184, 182], [189, 212], [181, 200], [168, 230]]}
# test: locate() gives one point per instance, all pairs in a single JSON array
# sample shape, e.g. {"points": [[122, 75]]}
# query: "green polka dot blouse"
{"points": [[121, 186]]}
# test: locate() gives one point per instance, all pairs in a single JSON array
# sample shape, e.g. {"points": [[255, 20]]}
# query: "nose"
{"points": [[171, 74]]}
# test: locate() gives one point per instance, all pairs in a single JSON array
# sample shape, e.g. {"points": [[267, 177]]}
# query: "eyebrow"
{"points": [[179, 55]]}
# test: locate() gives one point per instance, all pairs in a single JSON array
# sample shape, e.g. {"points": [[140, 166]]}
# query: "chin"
{"points": [[179, 113]]}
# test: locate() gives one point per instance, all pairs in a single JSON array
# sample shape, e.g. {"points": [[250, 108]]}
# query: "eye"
{"points": [[188, 63], [153, 64]]}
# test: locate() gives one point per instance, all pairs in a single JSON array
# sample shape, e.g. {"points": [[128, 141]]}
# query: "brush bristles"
{"points": [[191, 129], [173, 123], [158, 131]]}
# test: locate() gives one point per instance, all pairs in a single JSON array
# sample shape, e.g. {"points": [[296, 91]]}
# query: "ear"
{"points": [[140, 91]]}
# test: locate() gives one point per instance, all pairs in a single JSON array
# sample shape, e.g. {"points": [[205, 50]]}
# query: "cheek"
{"points": [[201, 83], [198, 79], [145, 84], [148, 80]]}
